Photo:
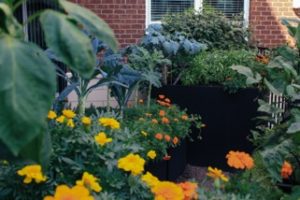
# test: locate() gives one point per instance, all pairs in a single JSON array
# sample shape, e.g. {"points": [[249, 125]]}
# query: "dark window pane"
{"points": [[228, 7], [159, 8]]}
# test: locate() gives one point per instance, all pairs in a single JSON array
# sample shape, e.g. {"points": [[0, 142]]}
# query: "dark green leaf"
{"points": [[91, 22], [68, 42], [27, 90]]}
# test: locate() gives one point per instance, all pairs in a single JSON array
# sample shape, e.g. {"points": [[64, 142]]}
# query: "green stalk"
{"points": [[149, 95], [108, 100]]}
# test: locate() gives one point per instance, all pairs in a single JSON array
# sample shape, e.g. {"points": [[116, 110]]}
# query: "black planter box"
{"points": [[228, 119], [178, 161], [170, 169], [158, 169]]}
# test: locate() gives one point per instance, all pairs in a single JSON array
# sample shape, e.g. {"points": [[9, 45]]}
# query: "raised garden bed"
{"points": [[228, 119]]}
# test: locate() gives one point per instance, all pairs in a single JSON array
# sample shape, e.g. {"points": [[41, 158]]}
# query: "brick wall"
{"points": [[126, 17], [265, 26]]}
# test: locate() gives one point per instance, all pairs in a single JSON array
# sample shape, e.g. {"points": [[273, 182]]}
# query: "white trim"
{"points": [[148, 12], [246, 13], [197, 5]]}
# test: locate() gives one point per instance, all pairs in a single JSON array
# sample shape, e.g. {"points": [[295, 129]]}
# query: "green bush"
{"points": [[208, 27], [213, 68]]}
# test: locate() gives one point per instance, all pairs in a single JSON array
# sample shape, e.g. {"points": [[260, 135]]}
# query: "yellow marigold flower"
{"points": [[189, 190], [68, 113], [61, 119], [132, 163], [150, 180], [51, 114], [89, 181], [32, 172], [216, 174], [86, 121], [70, 123], [239, 160], [151, 154], [77, 192], [102, 139], [144, 133], [109, 122], [166, 190], [286, 170]]}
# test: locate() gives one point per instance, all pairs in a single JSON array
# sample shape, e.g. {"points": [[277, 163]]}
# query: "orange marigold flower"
{"points": [[165, 120], [167, 138], [184, 117], [159, 136], [175, 140], [166, 190], [239, 160], [154, 121], [161, 96], [167, 100], [189, 190], [166, 157], [63, 192], [286, 170], [162, 113]]}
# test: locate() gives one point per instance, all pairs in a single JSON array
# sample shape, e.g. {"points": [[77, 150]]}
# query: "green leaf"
{"points": [[272, 88], [8, 23], [27, 89], [68, 42], [294, 127], [297, 36], [91, 22], [246, 71]]}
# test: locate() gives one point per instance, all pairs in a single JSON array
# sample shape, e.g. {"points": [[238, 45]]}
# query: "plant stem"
{"points": [[149, 95], [81, 105], [108, 100]]}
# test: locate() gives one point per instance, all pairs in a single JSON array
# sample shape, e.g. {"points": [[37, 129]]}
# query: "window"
{"points": [[229, 7], [157, 9]]}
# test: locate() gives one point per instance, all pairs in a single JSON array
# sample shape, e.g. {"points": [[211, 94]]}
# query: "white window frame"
{"points": [[197, 5]]}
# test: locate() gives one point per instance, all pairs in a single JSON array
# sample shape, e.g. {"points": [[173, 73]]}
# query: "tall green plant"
{"points": [[27, 76]]}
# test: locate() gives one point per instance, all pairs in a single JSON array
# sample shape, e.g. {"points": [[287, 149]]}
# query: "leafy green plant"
{"points": [[280, 142], [213, 68], [28, 77], [209, 27], [176, 47]]}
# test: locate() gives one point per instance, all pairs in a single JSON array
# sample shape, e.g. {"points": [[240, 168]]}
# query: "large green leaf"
{"points": [[68, 42], [8, 23], [27, 89], [91, 22]]}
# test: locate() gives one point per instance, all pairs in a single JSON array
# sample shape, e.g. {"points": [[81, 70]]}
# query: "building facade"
{"points": [[129, 18]]}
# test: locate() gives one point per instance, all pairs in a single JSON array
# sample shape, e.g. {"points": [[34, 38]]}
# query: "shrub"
{"points": [[208, 27], [213, 68]]}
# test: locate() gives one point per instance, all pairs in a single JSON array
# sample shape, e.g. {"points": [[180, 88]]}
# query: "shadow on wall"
{"points": [[265, 25]]}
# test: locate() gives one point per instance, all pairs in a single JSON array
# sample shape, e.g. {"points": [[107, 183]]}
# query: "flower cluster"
{"points": [[66, 117], [32, 172], [109, 122], [216, 173], [132, 163], [286, 170], [63, 192], [239, 160], [89, 181], [163, 101], [102, 139], [166, 190]]}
